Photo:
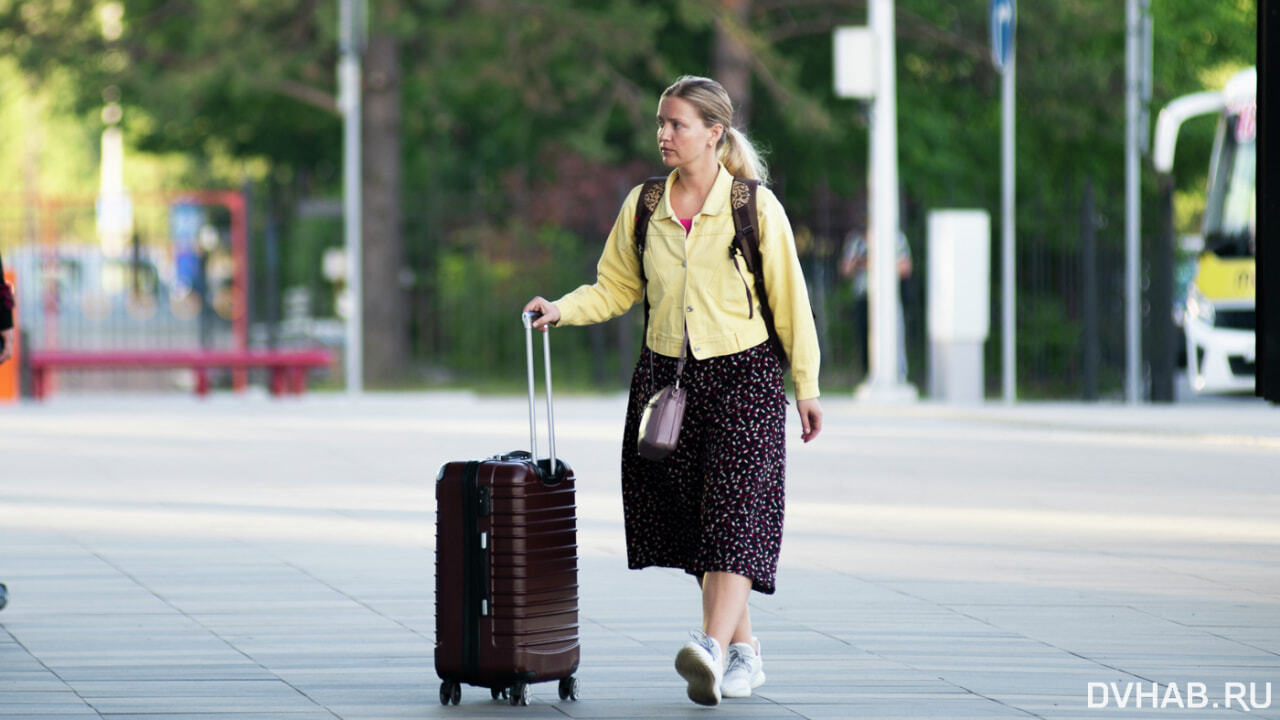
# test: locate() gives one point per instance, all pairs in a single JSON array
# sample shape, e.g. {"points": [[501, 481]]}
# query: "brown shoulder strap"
{"points": [[746, 239], [650, 195]]}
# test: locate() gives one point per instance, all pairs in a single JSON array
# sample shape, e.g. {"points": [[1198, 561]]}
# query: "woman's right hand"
{"points": [[550, 313]]}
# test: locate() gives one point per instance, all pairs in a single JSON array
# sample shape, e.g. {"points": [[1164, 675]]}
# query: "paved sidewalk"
{"points": [[245, 559]]}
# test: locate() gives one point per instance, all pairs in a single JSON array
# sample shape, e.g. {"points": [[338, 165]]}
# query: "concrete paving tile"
{"points": [[47, 711], [419, 695], [14, 658], [943, 708], [32, 682], [672, 707], [829, 694], [486, 710], [837, 669], [656, 672], [987, 683], [178, 671], [469, 708], [311, 714], [1052, 713], [621, 694], [14, 697], [262, 688], [55, 714], [200, 704], [101, 643]]}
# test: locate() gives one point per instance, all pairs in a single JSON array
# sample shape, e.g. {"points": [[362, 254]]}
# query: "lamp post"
{"points": [[1137, 93], [351, 16], [858, 50]]}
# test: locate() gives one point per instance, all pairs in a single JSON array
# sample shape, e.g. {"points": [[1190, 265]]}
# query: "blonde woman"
{"points": [[714, 507]]}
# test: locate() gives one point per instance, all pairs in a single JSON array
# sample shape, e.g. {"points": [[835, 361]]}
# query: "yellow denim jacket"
{"points": [[693, 279]]}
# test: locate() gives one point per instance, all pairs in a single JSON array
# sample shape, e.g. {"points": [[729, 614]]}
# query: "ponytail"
{"points": [[741, 158]]}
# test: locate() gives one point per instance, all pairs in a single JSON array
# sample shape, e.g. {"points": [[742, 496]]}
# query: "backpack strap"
{"points": [[650, 195], [746, 242]]}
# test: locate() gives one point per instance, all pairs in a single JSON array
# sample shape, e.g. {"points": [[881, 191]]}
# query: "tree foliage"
{"points": [[523, 121]]}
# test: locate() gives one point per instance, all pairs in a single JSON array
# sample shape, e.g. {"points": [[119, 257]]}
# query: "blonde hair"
{"points": [[712, 102]]}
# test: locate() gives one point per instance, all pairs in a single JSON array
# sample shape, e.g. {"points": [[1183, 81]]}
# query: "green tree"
{"points": [[500, 134]]}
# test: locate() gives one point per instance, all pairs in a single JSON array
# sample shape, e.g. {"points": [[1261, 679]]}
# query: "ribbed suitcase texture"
{"points": [[506, 577]]}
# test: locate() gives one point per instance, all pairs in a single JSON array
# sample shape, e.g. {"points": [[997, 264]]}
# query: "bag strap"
{"points": [[746, 242], [650, 195]]}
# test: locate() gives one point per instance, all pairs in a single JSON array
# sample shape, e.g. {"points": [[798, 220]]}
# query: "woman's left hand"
{"points": [[810, 418]]}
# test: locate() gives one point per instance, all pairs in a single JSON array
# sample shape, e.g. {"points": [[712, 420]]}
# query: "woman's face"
{"points": [[683, 137]]}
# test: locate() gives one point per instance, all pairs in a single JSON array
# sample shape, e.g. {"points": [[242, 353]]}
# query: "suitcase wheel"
{"points": [[520, 693], [569, 688], [450, 692]]}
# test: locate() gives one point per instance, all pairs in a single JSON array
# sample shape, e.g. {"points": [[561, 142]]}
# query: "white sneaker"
{"points": [[745, 671], [701, 663]]}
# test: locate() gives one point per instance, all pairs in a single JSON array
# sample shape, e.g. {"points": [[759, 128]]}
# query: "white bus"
{"points": [[1219, 308]]}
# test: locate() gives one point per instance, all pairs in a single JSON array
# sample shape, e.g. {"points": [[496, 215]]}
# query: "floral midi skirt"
{"points": [[716, 503]]}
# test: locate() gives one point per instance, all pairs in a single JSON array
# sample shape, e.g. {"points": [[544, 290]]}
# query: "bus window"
{"points": [[1229, 217]]}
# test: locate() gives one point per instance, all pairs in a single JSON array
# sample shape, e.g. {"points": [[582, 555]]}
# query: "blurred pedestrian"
{"points": [[6, 317], [6, 352], [853, 265], [714, 506]]}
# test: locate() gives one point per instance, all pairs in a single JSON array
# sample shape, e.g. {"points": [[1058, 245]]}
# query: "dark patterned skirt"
{"points": [[716, 503]]}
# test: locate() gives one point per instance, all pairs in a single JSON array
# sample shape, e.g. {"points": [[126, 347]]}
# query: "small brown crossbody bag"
{"points": [[663, 414]]}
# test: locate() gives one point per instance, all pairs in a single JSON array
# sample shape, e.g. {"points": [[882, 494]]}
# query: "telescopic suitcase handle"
{"points": [[553, 473]]}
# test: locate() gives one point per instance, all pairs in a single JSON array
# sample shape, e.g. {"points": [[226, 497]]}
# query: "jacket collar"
{"points": [[717, 201]]}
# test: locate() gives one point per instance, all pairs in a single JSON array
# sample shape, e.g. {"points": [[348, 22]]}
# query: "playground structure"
{"points": [[176, 295]]}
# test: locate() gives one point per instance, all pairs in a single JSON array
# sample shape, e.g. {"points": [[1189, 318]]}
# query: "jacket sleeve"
{"points": [[618, 285], [788, 295]]}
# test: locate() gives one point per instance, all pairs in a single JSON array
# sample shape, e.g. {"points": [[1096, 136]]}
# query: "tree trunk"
{"points": [[732, 59], [386, 332]]}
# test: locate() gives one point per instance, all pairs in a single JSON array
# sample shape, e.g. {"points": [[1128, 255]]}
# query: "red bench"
{"points": [[288, 368]]}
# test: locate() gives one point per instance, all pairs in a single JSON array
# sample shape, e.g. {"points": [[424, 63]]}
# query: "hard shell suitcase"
{"points": [[507, 568]]}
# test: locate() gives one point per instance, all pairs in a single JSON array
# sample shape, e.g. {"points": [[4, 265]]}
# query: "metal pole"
{"points": [[1267, 332], [349, 99], [1089, 259], [882, 244], [1132, 209], [1162, 351], [882, 382], [1008, 262], [527, 319]]}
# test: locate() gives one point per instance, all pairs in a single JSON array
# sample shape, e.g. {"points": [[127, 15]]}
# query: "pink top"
{"points": [[687, 223]]}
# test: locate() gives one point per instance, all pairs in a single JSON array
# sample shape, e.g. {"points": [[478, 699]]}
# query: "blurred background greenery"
{"points": [[500, 137]]}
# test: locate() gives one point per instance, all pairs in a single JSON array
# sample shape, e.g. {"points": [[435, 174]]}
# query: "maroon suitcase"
{"points": [[507, 570]]}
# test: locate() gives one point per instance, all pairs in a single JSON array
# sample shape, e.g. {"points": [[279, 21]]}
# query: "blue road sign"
{"points": [[1003, 14], [184, 227]]}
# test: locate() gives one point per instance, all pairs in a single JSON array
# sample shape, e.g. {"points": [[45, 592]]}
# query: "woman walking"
{"points": [[714, 506]]}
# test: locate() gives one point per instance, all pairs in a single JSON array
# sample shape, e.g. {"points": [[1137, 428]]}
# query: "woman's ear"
{"points": [[717, 134]]}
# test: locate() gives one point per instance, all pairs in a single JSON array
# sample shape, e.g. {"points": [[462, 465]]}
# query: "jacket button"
{"points": [[689, 309]]}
